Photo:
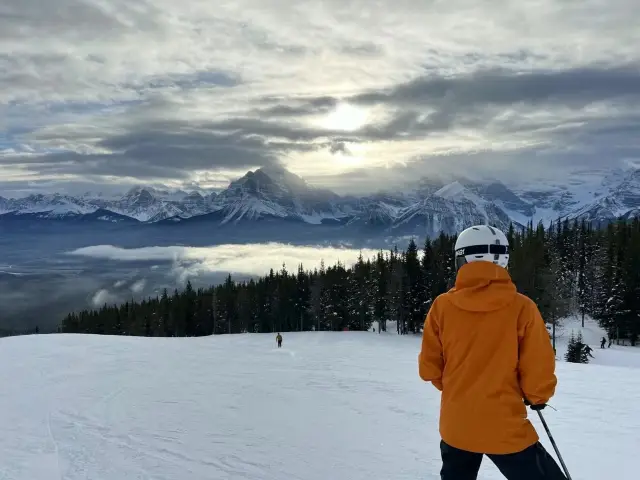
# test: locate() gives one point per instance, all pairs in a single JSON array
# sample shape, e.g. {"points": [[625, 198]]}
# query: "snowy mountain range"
{"points": [[429, 206]]}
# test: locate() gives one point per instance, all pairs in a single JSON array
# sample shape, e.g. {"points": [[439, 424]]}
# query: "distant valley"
{"points": [[41, 281]]}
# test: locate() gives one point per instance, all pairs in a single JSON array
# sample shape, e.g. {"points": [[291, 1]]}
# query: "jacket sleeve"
{"points": [[537, 360], [430, 359]]}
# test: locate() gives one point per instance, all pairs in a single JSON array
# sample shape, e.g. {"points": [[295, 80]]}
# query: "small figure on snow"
{"points": [[588, 350], [488, 328], [603, 342], [279, 340]]}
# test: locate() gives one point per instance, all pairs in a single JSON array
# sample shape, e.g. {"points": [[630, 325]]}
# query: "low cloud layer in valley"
{"points": [[247, 259], [91, 276]]}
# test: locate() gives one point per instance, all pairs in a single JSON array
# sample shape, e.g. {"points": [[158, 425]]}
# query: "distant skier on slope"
{"points": [[588, 350], [279, 340], [486, 348], [603, 342]]}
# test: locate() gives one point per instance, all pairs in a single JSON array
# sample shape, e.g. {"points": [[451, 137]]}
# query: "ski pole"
{"points": [[555, 447]]}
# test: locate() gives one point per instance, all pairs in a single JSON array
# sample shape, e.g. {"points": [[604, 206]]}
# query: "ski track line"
{"points": [[120, 442], [164, 454], [55, 444], [106, 399], [80, 421], [56, 448]]}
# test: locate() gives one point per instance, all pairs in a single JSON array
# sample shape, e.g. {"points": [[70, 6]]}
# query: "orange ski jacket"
{"points": [[486, 347]]}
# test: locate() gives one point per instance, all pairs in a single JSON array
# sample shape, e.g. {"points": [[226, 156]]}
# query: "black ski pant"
{"points": [[279, 344], [534, 463]]}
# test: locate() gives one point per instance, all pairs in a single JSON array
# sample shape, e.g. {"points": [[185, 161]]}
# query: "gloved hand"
{"points": [[540, 406]]}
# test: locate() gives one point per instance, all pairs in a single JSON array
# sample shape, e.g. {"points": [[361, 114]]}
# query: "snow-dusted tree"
{"points": [[381, 309], [414, 289], [576, 352]]}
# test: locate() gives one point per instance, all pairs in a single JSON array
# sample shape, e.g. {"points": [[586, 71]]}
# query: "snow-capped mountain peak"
{"points": [[278, 193], [619, 198], [451, 191], [432, 204]]}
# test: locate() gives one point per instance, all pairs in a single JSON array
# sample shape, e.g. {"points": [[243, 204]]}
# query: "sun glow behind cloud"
{"points": [[178, 92], [345, 117]]}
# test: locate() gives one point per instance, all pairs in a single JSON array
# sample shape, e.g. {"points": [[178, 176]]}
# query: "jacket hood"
{"points": [[482, 287]]}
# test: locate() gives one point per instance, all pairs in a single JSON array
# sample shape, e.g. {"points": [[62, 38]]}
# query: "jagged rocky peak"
{"points": [[285, 177], [269, 178], [135, 190], [429, 185], [250, 181], [432, 202], [137, 194], [138, 197], [277, 184], [194, 199]]}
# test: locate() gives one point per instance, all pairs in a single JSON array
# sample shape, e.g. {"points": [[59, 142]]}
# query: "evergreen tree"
{"points": [[574, 350], [414, 287], [568, 268], [381, 309]]}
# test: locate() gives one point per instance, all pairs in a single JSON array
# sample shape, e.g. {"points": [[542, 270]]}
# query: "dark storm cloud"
{"points": [[117, 164], [436, 103], [517, 164], [268, 129], [187, 81], [147, 142], [339, 147], [146, 147], [173, 151], [284, 107], [573, 88], [168, 150]]}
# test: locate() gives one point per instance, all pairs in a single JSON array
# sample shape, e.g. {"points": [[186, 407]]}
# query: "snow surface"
{"points": [[617, 355], [343, 405]]}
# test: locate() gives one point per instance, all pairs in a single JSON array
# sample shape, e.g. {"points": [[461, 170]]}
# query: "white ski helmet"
{"points": [[482, 243]]}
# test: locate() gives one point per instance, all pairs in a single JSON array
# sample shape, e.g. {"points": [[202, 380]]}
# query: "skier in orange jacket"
{"points": [[486, 348]]}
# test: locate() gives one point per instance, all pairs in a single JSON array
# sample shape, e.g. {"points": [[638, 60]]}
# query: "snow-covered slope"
{"points": [[4, 205], [47, 206], [590, 194], [140, 203], [620, 201], [450, 209], [616, 355], [340, 406], [426, 207]]}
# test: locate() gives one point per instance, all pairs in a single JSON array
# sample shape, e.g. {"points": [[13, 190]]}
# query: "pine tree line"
{"points": [[569, 267]]}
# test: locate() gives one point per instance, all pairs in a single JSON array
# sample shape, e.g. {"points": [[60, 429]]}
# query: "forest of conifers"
{"points": [[566, 268]]}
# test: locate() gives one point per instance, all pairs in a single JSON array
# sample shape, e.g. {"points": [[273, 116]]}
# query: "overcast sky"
{"points": [[351, 95]]}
